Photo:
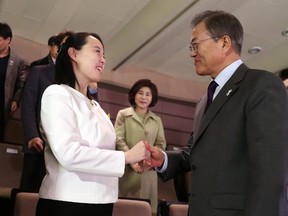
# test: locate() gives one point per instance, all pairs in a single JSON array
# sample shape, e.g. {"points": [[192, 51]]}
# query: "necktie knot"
{"points": [[211, 89]]}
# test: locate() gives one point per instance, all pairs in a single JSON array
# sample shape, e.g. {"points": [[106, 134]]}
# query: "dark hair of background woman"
{"points": [[136, 87]]}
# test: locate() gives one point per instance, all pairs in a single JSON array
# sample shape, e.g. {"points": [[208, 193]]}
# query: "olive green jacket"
{"points": [[129, 131]]}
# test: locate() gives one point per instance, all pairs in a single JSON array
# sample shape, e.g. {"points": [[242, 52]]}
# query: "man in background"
{"points": [[40, 77], [13, 73], [52, 55]]}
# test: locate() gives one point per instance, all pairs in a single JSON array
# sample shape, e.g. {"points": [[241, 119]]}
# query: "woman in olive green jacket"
{"points": [[132, 125]]}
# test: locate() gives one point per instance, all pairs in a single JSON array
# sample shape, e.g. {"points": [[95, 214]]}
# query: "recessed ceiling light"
{"points": [[254, 50], [285, 33]]}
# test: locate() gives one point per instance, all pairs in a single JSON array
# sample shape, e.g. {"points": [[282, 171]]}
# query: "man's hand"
{"points": [[137, 153], [13, 107], [156, 158], [36, 143]]}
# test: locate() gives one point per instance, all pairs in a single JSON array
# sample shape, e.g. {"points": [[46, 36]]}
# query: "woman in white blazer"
{"points": [[82, 165]]}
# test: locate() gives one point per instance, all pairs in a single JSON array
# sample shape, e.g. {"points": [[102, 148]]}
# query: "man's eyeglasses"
{"points": [[194, 45]]}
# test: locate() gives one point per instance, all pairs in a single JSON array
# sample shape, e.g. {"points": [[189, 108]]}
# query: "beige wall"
{"points": [[170, 87]]}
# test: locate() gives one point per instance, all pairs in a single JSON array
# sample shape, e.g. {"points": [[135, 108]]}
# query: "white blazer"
{"points": [[82, 164]]}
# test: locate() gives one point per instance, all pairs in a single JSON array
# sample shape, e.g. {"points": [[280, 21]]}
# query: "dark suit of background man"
{"points": [[40, 77], [52, 55], [238, 153]]}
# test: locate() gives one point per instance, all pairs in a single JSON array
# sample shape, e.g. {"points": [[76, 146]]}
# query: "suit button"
{"points": [[193, 167]]}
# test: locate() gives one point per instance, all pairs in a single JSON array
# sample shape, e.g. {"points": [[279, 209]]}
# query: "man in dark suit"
{"points": [[13, 72], [40, 77], [238, 151], [52, 55]]}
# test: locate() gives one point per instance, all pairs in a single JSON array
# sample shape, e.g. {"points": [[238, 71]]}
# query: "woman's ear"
{"points": [[72, 53]]}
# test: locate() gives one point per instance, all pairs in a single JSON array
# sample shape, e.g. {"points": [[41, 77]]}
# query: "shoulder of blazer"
{"points": [[129, 111], [15, 57], [244, 72], [43, 61], [40, 70], [153, 115], [239, 74]]}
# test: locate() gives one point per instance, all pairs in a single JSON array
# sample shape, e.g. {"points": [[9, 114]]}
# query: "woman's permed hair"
{"points": [[137, 86]]}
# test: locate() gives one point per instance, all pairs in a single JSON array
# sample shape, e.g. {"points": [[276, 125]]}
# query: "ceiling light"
{"points": [[254, 50], [285, 33]]}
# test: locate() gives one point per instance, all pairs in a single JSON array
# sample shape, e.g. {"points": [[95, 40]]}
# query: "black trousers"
{"points": [[33, 172], [47, 207]]}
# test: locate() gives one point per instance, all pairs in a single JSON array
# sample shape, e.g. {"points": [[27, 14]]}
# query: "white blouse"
{"points": [[82, 164]]}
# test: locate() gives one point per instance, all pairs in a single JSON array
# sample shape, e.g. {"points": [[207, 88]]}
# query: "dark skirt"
{"points": [[47, 207]]}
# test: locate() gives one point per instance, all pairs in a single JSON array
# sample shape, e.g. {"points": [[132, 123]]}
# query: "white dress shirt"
{"points": [[81, 161]]}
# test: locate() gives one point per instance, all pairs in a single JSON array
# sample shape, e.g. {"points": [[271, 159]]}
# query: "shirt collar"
{"points": [[225, 74]]}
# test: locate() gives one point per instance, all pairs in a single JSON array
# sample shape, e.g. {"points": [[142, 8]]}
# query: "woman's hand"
{"points": [[137, 168], [136, 154]]}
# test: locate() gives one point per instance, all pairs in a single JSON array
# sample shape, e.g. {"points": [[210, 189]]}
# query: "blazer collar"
{"points": [[131, 112], [203, 120]]}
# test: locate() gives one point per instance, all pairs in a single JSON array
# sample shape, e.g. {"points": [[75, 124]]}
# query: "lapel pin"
{"points": [[229, 92]]}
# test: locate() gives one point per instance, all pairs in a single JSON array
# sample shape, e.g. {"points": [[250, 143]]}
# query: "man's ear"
{"points": [[72, 53], [226, 41], [8, 39]]}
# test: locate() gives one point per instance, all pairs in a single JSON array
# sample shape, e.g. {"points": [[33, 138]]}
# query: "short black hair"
{"points": [[137, 86], [64, 73], [5, 31], [284, 74], [60, 37], [51, 40]]}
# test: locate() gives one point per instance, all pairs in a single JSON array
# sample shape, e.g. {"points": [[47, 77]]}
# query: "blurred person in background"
{"points": [[13, 72], [52, 55], [40, 77]]}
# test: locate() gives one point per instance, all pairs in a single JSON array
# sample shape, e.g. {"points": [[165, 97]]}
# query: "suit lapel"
{"points": [[10, 65], [232, 85], [199, 112]]}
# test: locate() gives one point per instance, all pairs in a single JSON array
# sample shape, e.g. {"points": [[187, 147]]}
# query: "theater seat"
{"points": [[129, 207], [11, 160], [178, 209], [25, 204]]}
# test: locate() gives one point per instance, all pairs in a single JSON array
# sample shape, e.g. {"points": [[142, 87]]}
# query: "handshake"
{"points": [[144, 156]]}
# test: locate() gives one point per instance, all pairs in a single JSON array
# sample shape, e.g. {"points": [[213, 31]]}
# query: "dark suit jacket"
{"points": [[238, 155], [43, 61], [16, 74], [40, 77]]}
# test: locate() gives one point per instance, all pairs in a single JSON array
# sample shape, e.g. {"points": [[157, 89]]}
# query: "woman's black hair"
{"points": [[64, 73], [137, 86]]}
